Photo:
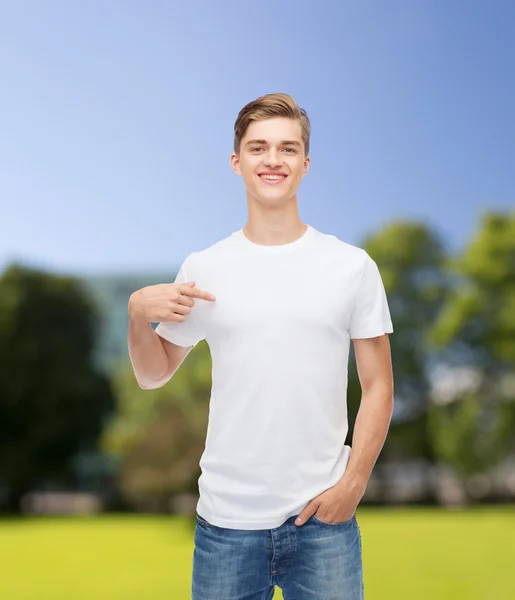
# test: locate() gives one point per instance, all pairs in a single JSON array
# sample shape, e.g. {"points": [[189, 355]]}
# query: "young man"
{"points": [[279, 488]]}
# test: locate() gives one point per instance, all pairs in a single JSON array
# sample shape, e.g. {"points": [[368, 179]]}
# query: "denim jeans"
{"points": [[313, 561]]}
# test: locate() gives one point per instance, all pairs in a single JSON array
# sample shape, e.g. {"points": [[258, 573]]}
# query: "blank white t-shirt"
{"points": [[279, 335]]}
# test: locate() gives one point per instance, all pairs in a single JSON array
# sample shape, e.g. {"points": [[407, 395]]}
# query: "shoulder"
{"points": [[353, 256], [212, 254]]}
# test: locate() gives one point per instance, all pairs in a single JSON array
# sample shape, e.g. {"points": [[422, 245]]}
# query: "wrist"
{"points": [[354, 483]]}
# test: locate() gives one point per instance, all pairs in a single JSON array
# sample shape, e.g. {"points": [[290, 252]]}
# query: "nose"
{"points": [[272, 158]]}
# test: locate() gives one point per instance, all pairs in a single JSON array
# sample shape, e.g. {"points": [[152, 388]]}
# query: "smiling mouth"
{"points": [[273, 179]]}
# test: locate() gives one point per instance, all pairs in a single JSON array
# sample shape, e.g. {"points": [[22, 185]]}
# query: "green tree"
{"points": [[410, 258], [472, 425], [52, 401], [158, 435]]}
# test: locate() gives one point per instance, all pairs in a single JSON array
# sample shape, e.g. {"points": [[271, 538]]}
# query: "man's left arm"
{"points": [[374, 364], [373, 360]]}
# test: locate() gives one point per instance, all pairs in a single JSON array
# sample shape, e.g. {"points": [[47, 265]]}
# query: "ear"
{"points": [[307, 163], [235, 163]]}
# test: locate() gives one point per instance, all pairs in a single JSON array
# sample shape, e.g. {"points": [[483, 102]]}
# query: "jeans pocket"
{"points": [[202, 521], [338, 524]]}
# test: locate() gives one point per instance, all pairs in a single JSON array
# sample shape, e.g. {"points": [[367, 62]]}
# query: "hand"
{"points": [[334, 505], [165, 301]]}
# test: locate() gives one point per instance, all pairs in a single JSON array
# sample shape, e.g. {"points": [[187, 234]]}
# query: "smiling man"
{"points": [[279, 487]]}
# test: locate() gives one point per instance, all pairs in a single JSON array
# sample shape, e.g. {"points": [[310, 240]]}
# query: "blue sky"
{"points": [[117, 121]]}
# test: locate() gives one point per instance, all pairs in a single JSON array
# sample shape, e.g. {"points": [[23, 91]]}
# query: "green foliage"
{"points": [[480, 313], [476, 327], [158, 435], [462, 305], [409, 256], [52, 402], [468, 435]]}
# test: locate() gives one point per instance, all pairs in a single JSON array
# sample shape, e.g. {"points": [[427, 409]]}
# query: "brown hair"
{"points": [[267, 107]]}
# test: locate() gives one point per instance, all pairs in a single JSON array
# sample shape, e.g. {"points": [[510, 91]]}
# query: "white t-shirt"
{"points": [[279, 335]]}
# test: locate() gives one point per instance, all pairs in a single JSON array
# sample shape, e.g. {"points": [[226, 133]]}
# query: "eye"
{"points": [[292, 150], [256, 148]]}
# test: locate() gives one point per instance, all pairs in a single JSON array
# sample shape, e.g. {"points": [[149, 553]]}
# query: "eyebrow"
{"points": [[284, 142]]}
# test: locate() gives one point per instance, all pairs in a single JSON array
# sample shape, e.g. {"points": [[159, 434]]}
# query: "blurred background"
{"points": [[116, 131]]}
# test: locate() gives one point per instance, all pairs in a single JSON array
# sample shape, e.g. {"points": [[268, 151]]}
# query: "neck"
{"points": [[272, 225]]}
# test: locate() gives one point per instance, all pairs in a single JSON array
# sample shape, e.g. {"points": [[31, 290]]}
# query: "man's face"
{"points": [[271, 160]]}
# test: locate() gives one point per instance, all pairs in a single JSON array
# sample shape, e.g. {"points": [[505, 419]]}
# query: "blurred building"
{"points": [[112, 293]]}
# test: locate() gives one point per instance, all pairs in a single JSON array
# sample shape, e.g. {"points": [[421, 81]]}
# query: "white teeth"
{"points": [[272, 176]]}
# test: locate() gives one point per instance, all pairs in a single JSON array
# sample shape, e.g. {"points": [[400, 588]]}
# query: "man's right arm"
{"points": [[154, 359]]}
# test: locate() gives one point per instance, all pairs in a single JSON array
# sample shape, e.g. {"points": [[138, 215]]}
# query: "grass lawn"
{"points": [[408, 553]]}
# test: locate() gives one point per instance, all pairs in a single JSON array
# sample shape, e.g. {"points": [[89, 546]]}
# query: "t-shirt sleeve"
{"points": [[187, 332], [370, 316]]}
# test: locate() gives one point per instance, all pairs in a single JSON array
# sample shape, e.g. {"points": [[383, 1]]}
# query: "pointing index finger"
{"points": [[196, 293]]}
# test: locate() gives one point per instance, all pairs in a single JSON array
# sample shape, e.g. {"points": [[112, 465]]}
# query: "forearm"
{"points": [[370, 432], [147, 354]]}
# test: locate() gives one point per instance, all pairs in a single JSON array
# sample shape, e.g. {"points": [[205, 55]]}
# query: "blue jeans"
{"points": [[314, 561]]}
